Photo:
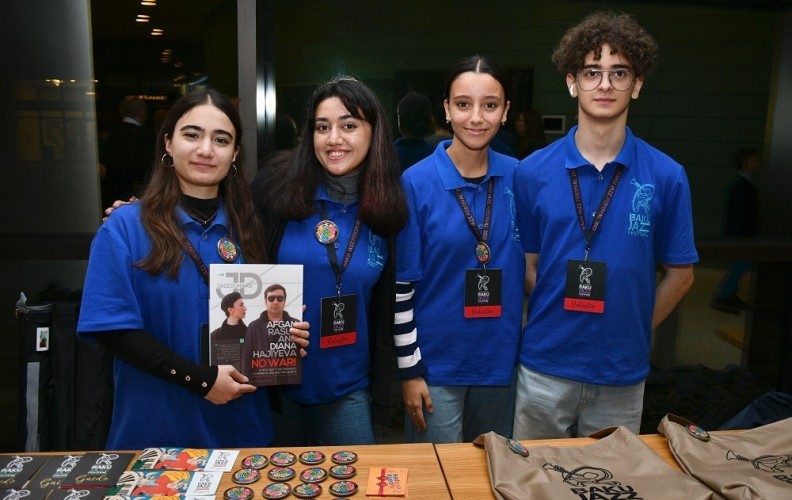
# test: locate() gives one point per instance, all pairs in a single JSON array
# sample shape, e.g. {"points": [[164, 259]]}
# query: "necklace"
{"points": [[200, 210], [201, 221]]}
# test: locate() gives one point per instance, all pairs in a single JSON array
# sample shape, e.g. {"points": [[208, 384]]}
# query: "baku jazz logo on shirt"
{"points": [[640, 216]]}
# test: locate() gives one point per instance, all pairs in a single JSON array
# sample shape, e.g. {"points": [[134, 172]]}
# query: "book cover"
{"points": [[387, 482], [54, 471], [171, 459], [16, 470], [97, 470], [251, 308], [148, 483], [77, 494], [189, 459], [27, 494]]}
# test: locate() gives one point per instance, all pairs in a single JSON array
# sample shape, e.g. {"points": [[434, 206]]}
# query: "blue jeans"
{"points": [[346, 421], [462, 413], [549, 407], [731, 280]]}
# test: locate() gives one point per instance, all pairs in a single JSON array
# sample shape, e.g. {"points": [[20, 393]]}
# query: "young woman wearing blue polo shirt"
{"points": [[334, 206], [146, 295], [460, 271]]}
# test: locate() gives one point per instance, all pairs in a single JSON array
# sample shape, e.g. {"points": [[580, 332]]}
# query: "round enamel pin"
{"points": [[277, 490], [307, 490], [518, 448], [482, 252], [326, 232], [246, 476], [344, 488], [256, 461], [313, 475], [342, 471], [697, 432], [227, 250], [312, 457], [281, 473], [283, 458], [344, 457], [238, 493]]}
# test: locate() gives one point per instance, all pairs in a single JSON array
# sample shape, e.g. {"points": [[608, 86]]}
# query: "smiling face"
{"points": [[341, 141], [604, 102], [203, 148], [476, 106]]}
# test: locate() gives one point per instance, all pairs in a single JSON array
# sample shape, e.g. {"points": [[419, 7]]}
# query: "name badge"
{"points": [[585, 286], [338, 323], [483, 293]]}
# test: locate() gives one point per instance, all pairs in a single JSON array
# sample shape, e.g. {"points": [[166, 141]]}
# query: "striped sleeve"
{"points": [[405, 334]]}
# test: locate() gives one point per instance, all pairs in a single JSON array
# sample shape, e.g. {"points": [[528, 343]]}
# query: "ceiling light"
{"points": [[142, 18], [157, 32], [149, 3]]}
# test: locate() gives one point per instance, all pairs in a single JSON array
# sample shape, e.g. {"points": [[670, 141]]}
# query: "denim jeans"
{"points": [[346, 421], [462, 413], [731, 280], [549, 407]]}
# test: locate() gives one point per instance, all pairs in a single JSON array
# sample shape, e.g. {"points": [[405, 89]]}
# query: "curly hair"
{"points": [[621, 31]]}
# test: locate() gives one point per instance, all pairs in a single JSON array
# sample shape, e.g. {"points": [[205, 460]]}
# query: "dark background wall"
{"points": [[710, 95]]}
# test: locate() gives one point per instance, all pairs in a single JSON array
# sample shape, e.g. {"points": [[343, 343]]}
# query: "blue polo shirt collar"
{"points": [[573, 158], [450, 176]]}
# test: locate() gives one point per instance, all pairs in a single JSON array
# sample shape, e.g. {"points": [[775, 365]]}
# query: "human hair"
{"points": [[743, 155], [439, 115], [415, 115], [132, 106], [272, 288], [229, 301], [477, 64], [161, 195], [289, 188], [619, 30], [533, 136]]}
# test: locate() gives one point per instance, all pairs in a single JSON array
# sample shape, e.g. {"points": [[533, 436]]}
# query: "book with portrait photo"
{"points": [[251, 309]]}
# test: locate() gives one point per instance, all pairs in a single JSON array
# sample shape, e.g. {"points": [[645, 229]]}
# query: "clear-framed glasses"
{"points": [[620, 79]]}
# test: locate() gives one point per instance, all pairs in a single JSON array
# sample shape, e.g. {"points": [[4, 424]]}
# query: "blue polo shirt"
{"points": [[148, 411], [331, 373], [433, 252], [649, 220]]}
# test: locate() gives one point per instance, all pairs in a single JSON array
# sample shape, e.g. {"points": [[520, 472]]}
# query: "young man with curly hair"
{"points": [[597, 210]]}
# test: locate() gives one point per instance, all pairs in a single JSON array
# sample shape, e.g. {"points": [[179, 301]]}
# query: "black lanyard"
{"points": [[331, 254], [193, 254], [606, 199], [481, 236]]}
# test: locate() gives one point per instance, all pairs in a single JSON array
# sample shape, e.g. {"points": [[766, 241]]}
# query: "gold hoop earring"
{"points": [[164, 164], [235, 172]]}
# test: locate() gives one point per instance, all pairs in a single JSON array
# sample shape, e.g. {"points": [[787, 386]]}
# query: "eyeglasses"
{"points": [[273, 298], [620, 79]]}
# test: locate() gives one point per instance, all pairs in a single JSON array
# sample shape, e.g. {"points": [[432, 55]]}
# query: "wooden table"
{"points": [[424, 480], [465, 464]]}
